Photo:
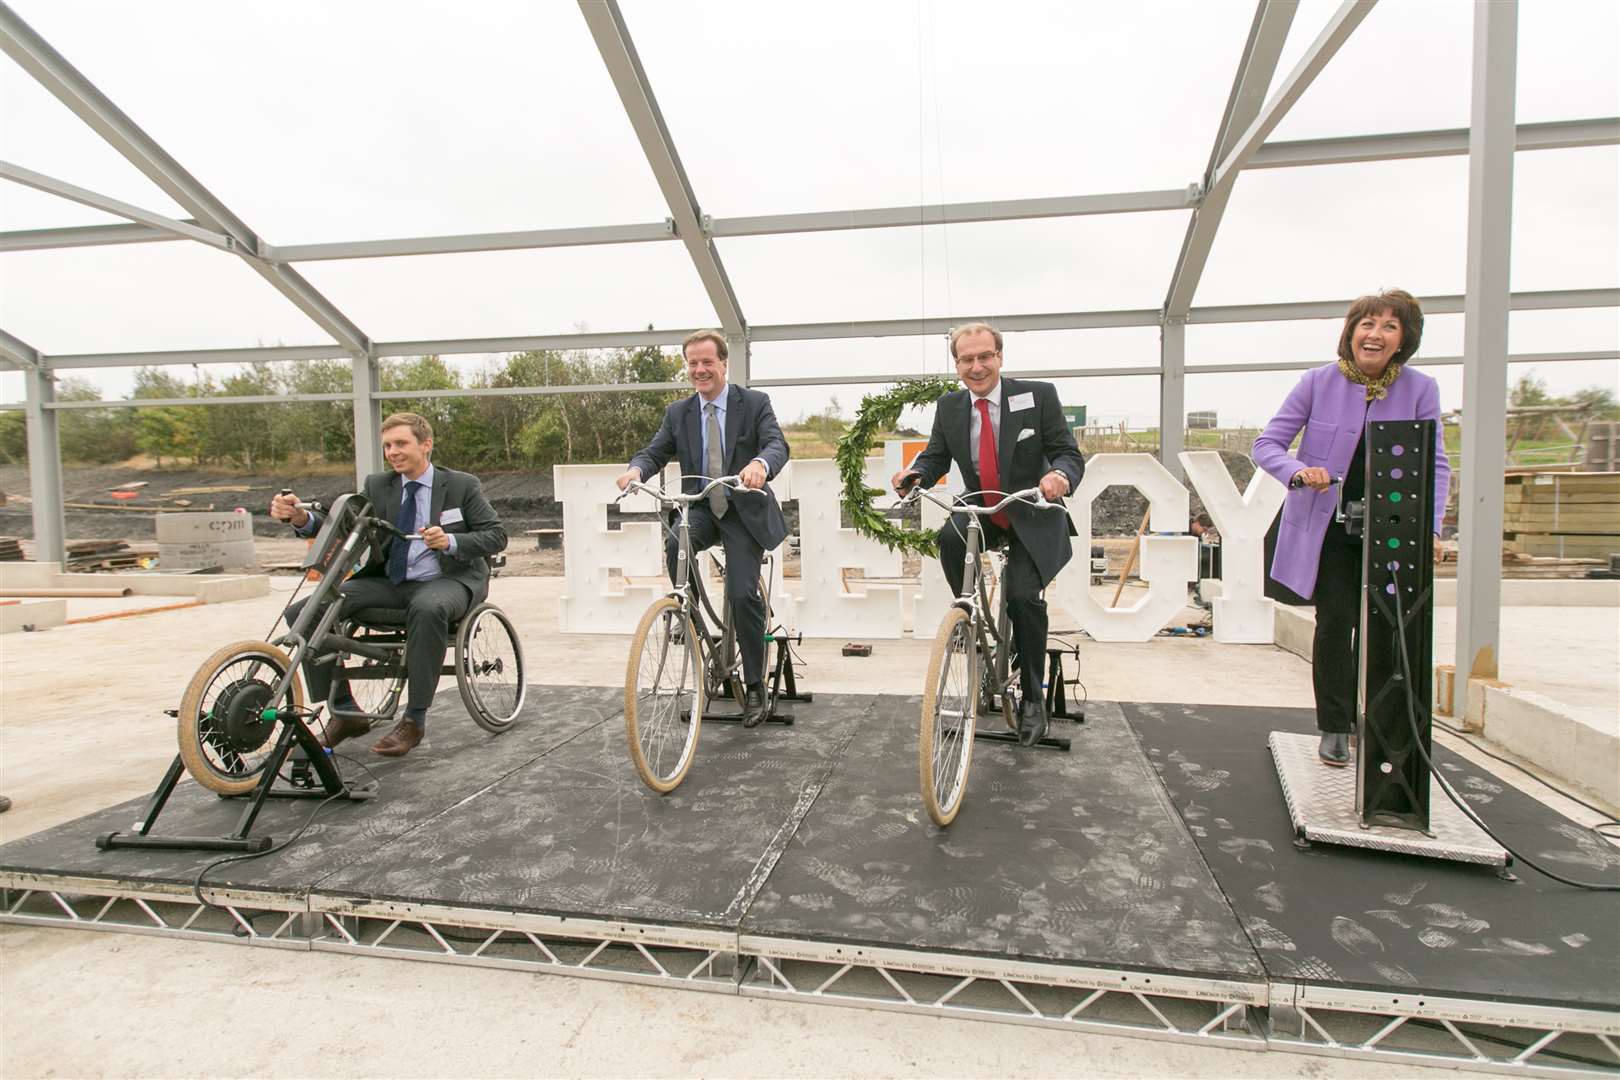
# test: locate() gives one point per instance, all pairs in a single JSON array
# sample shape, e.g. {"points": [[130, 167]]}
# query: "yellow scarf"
{"points": [[1376, 388]]}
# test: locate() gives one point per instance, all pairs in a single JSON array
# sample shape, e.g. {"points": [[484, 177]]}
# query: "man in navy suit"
{"points": [[1005, 435], [725, 430]]}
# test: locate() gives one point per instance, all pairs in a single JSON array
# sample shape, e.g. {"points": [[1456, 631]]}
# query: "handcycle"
{"points": [[972, 667], [683, 653], [242, 717]]}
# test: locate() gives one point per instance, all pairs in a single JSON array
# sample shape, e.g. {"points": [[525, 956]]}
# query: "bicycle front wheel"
{"points": [[225, 739], [949, 711], [663, 696]]}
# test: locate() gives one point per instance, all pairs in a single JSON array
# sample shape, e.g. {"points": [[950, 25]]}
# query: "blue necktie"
{"points": [[399, 551]]}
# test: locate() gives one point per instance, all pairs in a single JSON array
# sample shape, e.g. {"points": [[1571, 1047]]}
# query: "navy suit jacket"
{"points": [[751, 432], [1033, 442]]}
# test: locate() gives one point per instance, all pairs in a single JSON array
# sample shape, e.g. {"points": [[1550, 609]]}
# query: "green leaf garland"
{"points": [[878, 412]]}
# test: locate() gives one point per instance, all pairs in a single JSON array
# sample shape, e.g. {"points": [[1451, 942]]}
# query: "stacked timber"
{"points": [[10, 549], [105, 556], [1567, 515]]}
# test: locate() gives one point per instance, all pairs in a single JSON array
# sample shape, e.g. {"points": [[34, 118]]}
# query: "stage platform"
{"points": [[1143, 883]]}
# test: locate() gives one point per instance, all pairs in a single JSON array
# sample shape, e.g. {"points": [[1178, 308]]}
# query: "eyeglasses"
{"points": [[978, 358]]}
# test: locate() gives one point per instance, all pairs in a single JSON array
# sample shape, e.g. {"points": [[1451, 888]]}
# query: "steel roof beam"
{"points": [[17, 174], [48, 67], [606, 23], [1261, 52]]}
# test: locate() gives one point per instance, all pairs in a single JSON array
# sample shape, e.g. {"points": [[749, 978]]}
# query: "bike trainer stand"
{"points": [[783, 684], [310, 762]]}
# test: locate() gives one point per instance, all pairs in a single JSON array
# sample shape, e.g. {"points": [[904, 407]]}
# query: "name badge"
{"points": [[450, 516], [1020, 402]]}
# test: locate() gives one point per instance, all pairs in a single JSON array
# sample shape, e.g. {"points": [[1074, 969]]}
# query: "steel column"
{"points": [[367, 419], [1485, 338], [45, 468], [606, 23], [1172, 392]]}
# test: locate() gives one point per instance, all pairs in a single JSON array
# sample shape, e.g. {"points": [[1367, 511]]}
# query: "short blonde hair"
{"points": [[974, 328], [715, 336], [416, 422]]}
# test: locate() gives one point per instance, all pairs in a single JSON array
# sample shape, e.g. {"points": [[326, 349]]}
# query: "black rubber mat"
{"points": [[576, 833], [1067, 857], [456, 761], [1382, 921]]}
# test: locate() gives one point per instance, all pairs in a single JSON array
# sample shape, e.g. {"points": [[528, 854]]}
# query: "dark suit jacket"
{"points": [[751, 432], [478, 534], [1024, 460]]}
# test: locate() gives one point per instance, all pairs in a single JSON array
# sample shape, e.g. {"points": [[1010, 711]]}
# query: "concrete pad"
{"points": [[32, 613], [1536, 592], [1546, 732], [75, 738]]}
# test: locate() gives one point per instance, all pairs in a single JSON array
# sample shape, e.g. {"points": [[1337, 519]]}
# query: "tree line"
{"points": [[488, 432]]}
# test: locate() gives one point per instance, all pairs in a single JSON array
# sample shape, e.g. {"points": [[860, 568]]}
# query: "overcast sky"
{"points": [[353, 121]]}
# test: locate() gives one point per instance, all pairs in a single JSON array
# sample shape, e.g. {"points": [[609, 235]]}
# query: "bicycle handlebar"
{"points": [[731, 483], [959, 504]]}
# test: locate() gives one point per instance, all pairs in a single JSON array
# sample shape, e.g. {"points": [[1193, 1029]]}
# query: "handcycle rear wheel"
{"points": [[489, 668], [663, 695], [949, 713], [224, 739]]}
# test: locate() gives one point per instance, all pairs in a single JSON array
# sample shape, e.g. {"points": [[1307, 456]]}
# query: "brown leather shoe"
{"points": [[339, 728], [399, 742]]}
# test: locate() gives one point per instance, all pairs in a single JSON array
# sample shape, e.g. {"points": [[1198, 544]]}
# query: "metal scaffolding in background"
{"points": [[1240, 145]]}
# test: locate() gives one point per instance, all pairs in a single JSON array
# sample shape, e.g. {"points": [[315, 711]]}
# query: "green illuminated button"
{"points": [[1394, 496], [1394, 543]]}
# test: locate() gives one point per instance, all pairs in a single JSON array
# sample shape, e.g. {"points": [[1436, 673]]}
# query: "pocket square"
{"points": [[1026, 433]]}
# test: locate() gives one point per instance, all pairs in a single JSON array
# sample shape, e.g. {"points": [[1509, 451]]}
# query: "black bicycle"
{"points": [[232, 712]]}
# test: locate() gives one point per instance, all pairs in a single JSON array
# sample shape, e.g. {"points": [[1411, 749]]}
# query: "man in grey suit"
{"points": [[435, 580], [724, 430], [1005, 435]]}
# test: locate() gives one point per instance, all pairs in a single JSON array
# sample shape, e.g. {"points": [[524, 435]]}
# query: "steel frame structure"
{"points": [[1241, 144], [1410, 1028]]}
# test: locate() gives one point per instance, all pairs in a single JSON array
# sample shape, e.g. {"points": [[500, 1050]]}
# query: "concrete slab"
{"points": [[75, 737], [32, 613]]}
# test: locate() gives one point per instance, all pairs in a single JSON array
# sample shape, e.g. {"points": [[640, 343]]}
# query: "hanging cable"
{"points": [[1417, 741]]}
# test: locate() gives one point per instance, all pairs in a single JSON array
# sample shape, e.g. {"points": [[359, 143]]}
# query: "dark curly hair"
{"points": [[1398, 302]]}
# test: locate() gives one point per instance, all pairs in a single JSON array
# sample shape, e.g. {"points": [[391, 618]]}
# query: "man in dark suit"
{"points": [[725, 430], [435, 580], [1005, 435]]}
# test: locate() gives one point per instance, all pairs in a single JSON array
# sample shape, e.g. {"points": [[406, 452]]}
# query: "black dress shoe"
{"points": [[754, 708], [1334, 749], [1031, 721]]}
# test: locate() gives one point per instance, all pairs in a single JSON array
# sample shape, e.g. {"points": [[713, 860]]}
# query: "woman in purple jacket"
{"points": [[1332, 404]]}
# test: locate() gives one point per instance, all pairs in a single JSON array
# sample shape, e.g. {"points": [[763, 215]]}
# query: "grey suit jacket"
{"points": [[1024, 458], [751, 432], [478, 534]]}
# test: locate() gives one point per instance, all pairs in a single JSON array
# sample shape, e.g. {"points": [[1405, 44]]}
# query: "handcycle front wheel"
{"points": [[489, 668], [949, 713], [224, 738], [663, 695]]}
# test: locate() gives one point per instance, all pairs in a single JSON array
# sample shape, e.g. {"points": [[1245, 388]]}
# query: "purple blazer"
{"points": [[1333, 411]]}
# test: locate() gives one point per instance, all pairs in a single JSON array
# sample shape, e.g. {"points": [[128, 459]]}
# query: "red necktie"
{"points": [[989, 467]]}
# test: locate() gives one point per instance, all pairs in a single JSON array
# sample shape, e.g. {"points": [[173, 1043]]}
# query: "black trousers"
{"points": [[743, 557], [1022, 581], [1336, 652], [430, 607]]}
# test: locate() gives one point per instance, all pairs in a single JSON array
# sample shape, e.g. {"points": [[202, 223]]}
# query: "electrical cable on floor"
{"points": [[1417, 741], [196, 885]]}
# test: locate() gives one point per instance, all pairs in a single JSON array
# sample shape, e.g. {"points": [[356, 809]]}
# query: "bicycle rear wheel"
{"points": [[663, 695], [949, 711]]}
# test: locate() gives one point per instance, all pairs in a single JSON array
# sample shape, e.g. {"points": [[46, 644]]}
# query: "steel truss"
{"points": [[1257, 1015], [273, 920]]}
